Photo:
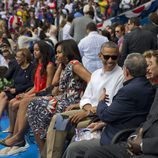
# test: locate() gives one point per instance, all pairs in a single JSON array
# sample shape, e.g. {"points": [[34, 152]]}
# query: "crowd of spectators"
{"points": [[55, 60]]}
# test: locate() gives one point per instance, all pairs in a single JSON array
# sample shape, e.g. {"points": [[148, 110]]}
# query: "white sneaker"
{"points": [[16, 149], [4, 151]]}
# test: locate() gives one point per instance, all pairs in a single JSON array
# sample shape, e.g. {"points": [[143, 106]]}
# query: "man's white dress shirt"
{"points": [[112, 81]]}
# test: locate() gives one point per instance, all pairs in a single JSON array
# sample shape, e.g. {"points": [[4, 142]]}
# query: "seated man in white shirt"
{"points": [[110, 77]]}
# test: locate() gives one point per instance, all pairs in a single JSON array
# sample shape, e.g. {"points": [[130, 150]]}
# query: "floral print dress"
{"points": [[40, 110]]}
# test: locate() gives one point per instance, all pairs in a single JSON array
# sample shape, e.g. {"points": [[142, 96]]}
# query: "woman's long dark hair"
{"points": [[70, 49], [44, 49]]}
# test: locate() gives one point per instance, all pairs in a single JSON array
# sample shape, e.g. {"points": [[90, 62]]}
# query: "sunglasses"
{"points": [[107, 57], [117, 31]]}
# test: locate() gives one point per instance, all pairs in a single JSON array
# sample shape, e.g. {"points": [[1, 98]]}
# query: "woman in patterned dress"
{"points": [[71, 76]]}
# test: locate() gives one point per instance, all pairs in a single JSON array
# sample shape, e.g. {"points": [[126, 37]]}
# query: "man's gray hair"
{"points": [[109, 44], [136, 64]]}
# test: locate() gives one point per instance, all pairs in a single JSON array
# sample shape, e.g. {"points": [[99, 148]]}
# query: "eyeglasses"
{"points": [[107, 57], [117, 31]]}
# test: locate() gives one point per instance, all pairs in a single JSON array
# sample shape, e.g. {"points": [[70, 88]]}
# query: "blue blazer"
{"points": [[128, 109]]}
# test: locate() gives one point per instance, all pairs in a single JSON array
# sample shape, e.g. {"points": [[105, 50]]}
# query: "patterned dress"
{"points": [[41, 110]]}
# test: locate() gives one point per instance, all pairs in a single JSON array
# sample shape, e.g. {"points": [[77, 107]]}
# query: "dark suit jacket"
{"points": [[137, 41], [151, 27], [150, 130], [154, 29], [129, 107]]}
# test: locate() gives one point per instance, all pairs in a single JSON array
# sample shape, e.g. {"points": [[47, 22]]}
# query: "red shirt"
{"points": [[39, 81]]}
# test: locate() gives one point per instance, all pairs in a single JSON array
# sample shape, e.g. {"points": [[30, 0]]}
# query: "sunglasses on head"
{"points": [[107, 57]]}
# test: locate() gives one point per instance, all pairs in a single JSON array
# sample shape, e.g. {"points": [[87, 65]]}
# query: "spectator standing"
{"points": [[90, 48], [153, 25], [78, 27], [52, 34], [125, 5], [24, 41], [67, 26], [119, 32], [138, 40], [114, 7], [69, 6], [14, 22], [32, 20]]}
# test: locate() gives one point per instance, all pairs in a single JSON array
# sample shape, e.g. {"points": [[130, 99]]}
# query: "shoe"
{"points": [[19, 144], [4, 151], [6, 131], [16, 150]]}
